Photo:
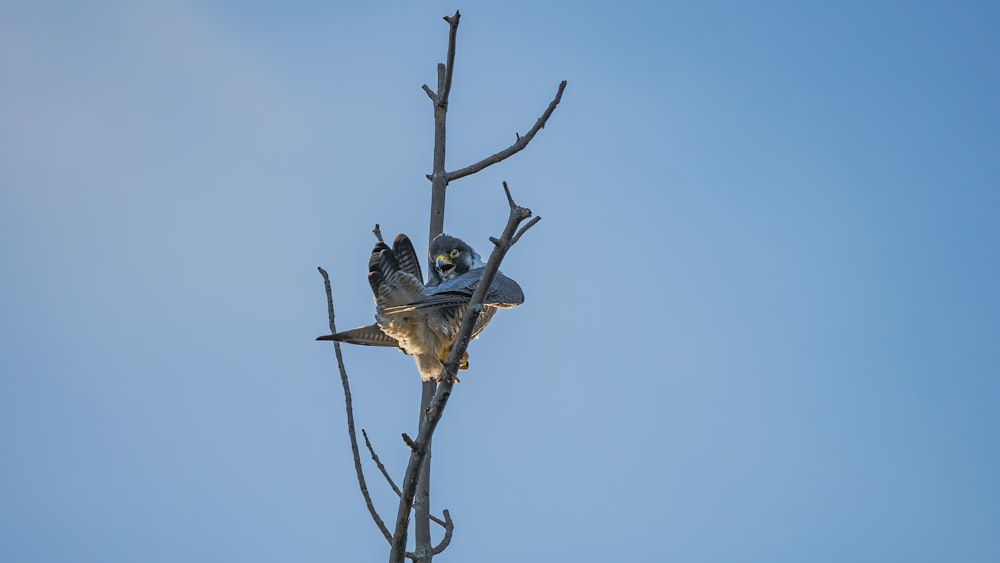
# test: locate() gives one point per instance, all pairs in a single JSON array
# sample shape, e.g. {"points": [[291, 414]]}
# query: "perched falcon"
{"points": [[423, 320]]}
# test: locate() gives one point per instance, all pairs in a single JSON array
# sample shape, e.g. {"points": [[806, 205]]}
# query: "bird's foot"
{"points": [[463, 363], [443, 377]]}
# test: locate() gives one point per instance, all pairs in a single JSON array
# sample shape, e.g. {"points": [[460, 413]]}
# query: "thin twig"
{"points": [[450, 64], [506, 192], [445, 70], [378, 463], [523, 228], [350, 412], [440, 522], [449, 527], [408, 441], [378, 233], [395, 489], [519, 144]]}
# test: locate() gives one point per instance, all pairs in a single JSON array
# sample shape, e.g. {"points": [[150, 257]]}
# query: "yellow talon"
{"points": [[463, 363]]}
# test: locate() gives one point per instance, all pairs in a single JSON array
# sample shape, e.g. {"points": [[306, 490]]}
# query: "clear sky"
{"points": [[762, 304]]}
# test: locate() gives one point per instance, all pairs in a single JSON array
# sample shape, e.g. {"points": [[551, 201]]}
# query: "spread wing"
{"points": [[504, 293], [395, 278], [407, 257]]}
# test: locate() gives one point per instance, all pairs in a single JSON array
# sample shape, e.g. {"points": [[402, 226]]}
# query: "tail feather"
{"points": [[407, 256], [370, 335]]}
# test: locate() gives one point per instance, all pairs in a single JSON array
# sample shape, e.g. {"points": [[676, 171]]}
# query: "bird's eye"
{"points": [[455, 253]]}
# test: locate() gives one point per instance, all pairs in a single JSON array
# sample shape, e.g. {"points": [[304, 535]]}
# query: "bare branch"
{"points": [[514, 207], [506, 191], [378, 233], [350, 411], [447, 523], [438, 175], [450, 64], [439, 184], [518, 145], [422, 497], [523, 228], [449, 527], [441, 523], [435, 410], [517, 215], [378, 463], [445, 70]]}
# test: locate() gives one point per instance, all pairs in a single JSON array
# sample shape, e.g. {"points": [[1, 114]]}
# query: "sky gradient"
{"points": [[761, 313]]}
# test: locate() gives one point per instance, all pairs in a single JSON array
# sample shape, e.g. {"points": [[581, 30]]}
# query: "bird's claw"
{"points": [[463, 364]]}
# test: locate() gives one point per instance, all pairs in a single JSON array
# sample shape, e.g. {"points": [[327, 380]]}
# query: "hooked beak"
{"points": [[444, 263]]}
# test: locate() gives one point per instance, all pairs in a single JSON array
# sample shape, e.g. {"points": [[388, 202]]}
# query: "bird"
{"points": [[421, 319]]}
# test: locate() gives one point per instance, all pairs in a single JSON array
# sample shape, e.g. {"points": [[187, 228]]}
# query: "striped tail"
{"points": [[370, 335]]}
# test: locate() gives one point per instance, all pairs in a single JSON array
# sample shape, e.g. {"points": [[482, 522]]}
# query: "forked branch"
{"points": [[392, 484], [447, 524], [447, 70], [419, 447], [378, 463]]}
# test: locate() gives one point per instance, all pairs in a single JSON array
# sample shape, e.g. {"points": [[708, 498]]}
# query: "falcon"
{"points": [[420, 319]]}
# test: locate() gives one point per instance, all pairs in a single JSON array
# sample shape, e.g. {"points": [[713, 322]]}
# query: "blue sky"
{"points": [[762, 310]]}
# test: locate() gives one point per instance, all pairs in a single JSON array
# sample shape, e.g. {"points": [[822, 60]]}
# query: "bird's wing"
{"points": [[391, 283], [437, 301], [409, 262], [483, 320], [503, 293]]}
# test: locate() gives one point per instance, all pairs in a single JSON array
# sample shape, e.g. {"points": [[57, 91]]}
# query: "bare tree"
{"points": [[414, 496]]}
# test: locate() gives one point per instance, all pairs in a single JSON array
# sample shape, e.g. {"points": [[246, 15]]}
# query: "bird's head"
{"points": [[452, 257]]}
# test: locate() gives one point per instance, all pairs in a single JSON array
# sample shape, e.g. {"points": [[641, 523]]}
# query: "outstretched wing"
{"points": [[409, 262], [395, 282], [504, 293]]}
